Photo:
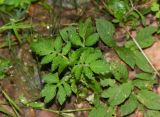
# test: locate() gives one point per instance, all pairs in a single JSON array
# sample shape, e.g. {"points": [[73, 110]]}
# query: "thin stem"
{"points": [[139, 47]]}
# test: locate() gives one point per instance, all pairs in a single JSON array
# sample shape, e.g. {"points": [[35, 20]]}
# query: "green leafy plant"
{"points": [[76, 63], [156, 8], [4, 65]]}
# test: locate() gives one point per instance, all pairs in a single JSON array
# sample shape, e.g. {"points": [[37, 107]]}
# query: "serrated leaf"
{"points": [[58, 44], [100, 66], [48, 92], [74, 56], [149, 99], [88, 72], [77, 71], [43, 47], [75, 39], [107, 82], [97, 54], [66, 48], [65, 32], [142, 63], [61, 94], [99, 111], [106, 30], [118, 94], [120, 72], [129, 106], [126, 55], [85, 54], [92, 39], [85, 28], [95, 86], [50, 78], [48, 58], [67, 88], [144, 36]]}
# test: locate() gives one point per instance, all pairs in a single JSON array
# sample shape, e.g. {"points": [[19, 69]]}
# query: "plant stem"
{"points": [[139, 47]]}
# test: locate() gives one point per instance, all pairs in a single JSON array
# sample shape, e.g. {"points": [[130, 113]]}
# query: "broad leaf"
{"points": [[48, 58], [118, 94], [97, 54], [43, 47], [106, 30], [100, 66], [126, 55], [107, 82], [150, 99], [92, 39], [48, 92], [85, 29], [152, 113], [99, 111], [120, 72], [75, 39], [144, 36], [142, 63], [50, 78], [129, 106], [145, 76]]}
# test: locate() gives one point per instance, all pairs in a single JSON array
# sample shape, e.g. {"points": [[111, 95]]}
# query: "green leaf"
{"points": [[152, 113], [145, 76], [107, 82], [142, 63], [88, 72], [99, 111], [74, 56], [149, 99], [106, 30], [97, 54], [48, 58], [43, 46], [61, 94], [126, 55], [144, 36], [92, 39], [4, 64], [48, 92], [158, 14], [129, 106], [65, 32], [119, 71], [85, 54], [100, 66], [75, 39], [119, 8], [144, 84], [155, 6], [58, 44], [77, 71], [67, 88], [118, 94], [51, 78], [86, 28], [66, 48]]}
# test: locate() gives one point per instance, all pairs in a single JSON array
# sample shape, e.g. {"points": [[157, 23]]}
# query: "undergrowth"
{"points": [[76, 62]]}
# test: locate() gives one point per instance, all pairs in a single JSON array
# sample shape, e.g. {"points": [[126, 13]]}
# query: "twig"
{"points": [[139, 47]]}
